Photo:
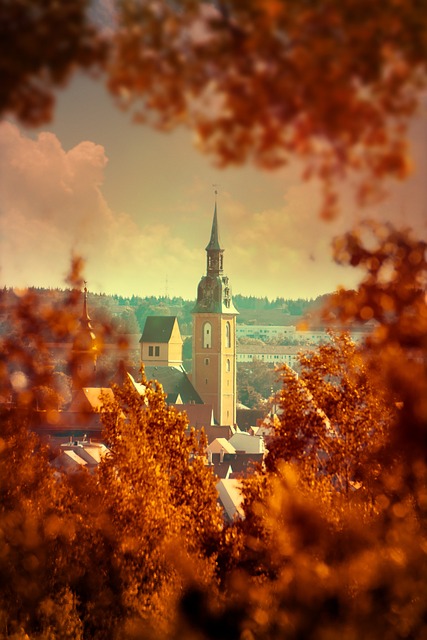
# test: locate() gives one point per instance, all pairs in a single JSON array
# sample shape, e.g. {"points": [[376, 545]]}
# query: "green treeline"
{"points": [[128, 314]]}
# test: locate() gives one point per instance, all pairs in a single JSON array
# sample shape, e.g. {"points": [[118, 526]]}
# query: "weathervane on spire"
{"points": [[215, 190]]}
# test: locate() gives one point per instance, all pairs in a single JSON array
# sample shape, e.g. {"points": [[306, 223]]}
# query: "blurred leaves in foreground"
{"points": [[333, 543], [334, 83]]}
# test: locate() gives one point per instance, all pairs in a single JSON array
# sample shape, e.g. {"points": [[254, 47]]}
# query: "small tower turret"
{"points": [[84, 351], [214, 251]]}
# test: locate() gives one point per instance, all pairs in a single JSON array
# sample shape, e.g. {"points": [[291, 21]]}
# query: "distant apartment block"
{"points": [[264, 332], [306, 336], [269, 354]]}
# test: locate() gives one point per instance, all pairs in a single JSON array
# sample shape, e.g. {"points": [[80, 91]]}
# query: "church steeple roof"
{"points": [[214, 291], [85, 319], [214, 251], [85, 339], [214, 244]]}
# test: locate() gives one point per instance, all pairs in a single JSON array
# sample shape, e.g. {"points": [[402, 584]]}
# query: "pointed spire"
{"points": [[85, 318], [85, 339], [214, 292], [214, 244]]}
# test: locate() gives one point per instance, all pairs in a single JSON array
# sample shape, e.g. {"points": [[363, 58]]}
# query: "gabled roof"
{"points": [[90, 399], [175, 382], [75, 456], [218, 431], [199, 415], [158, 328], [69, 461], [222, 470], [245, 463], [230, 496], [247, 443], [91, 453], [138, 386], [221, 444], [245, 418]]}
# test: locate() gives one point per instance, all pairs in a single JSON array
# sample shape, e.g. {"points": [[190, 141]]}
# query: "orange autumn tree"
{"points": [[331, 418], [310, 564], [393, 294], [161, 499], [39, 516], [43, 43], [334, 83], [331, 82]]}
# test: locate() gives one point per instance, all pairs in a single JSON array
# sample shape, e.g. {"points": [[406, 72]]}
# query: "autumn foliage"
{"points": [[334, 83], [333, 542]]}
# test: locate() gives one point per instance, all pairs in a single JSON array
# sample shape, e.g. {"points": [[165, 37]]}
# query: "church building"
{"points": [[214, 335]]}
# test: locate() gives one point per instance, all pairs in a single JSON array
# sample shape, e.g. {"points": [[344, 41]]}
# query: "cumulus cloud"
{"points": [[52, 204]]}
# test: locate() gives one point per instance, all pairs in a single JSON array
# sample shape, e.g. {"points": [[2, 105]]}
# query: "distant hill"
{"points": [[129, 313]]}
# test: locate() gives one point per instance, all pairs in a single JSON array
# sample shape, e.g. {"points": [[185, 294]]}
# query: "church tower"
{"points": [[84, 351], [214, 336]]}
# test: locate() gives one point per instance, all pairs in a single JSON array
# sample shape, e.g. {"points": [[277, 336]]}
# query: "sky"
{"points": [[137, 205]]}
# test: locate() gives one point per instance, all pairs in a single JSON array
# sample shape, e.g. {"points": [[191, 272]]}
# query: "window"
{"points": [[227, 364], [228, 335], [156, 351], [207, 335], [206, 360], [150, 351]]}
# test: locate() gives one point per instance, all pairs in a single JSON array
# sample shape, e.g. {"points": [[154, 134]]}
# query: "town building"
{"points": [[214, 335], [265, 332], [161, 342], [270, 354], [75, 455]]}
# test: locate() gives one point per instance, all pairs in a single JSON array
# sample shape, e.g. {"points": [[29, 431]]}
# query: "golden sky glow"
{"points": [[138, 206]]}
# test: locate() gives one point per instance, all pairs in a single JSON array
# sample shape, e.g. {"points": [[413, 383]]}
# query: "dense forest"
{"points": [[128, 315]]}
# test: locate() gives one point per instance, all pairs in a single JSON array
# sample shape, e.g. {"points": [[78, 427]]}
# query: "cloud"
{"points": [[52, 203]]}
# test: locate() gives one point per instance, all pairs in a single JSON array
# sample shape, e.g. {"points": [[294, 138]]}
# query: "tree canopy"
{"points": [[333, 83]]}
